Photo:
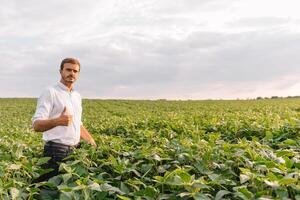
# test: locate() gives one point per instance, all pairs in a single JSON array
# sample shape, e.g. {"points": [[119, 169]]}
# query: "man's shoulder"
{"points": [[48, 90]]}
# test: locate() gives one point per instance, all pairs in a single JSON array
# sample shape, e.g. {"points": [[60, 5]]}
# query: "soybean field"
{"points": [[239, 149]]}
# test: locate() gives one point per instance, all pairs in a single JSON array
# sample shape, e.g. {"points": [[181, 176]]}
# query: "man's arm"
{"points": [[85, 135], [42, 125]]}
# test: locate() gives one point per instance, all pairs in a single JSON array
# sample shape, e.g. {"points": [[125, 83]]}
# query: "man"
{"points": [[58, 116]]}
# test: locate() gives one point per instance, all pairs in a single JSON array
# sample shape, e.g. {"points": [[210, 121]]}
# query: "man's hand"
{"points": [[92, 142], [64, 119], [85, 135]]}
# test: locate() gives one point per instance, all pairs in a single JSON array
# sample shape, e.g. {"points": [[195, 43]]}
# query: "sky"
{"points": [[152, 49]]}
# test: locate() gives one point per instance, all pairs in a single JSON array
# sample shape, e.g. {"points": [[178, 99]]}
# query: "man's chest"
{"points": [[69, 100]]}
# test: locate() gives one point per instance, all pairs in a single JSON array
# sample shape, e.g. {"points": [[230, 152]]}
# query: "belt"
{"points": [[59, 145]]}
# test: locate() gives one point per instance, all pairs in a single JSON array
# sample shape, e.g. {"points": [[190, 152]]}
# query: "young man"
{"points": [[58, 116]]}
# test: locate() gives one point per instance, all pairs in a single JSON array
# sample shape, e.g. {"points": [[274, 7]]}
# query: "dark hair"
{"points": [[69, 60]]}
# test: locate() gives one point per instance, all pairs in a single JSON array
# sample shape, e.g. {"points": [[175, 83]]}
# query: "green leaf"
{"points": [[244, 178], [79, 187], [157, 157], [272, 177], [184, 194], [221, 194], [214, 177], [282, 193], [123, 197], [186, 177], [287, 153], [276, 170], [81, 171], [165, 196], [49, 194], [176, 180], [15, 193], [95, 186], [287, 181], [124, 188], [200, 196], [63, 167], [269, 135], [107, 187], [65, 188], [245, 192], [146, 167], [55, 181], [66, 177], [288, 163], [273, 184], [150, 192], [66, 195], [290, 142], [43, 160], [14, 167], [159, 179]]}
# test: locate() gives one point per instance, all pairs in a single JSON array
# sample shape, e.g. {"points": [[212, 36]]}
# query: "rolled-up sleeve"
{"points": [[44, 106]]}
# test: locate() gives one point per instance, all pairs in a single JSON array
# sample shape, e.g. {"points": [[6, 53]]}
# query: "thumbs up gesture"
{"points": [[65, 119]]}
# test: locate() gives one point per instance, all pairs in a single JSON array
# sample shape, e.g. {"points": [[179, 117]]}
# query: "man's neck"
{"points": [[68, 85]]}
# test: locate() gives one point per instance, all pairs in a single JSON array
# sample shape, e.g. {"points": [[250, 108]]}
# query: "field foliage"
{"points": [[161, 150]]}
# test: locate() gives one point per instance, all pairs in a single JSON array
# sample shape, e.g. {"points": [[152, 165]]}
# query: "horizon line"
{"points": [[169, 99]]}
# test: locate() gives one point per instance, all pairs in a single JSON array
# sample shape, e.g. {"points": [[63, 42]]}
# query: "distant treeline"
{"points": [[277, 97]]}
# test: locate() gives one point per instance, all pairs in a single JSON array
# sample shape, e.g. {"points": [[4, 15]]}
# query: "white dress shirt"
{"points": [[51, 104]]}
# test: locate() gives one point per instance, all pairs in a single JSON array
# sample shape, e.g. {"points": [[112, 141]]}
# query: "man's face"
{"points": [[70, 73]]}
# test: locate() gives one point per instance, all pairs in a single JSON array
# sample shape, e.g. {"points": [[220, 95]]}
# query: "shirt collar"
{"points": [[63, 87]]}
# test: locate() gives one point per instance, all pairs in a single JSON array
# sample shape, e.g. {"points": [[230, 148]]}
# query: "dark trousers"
{"points": [[57, 153]]}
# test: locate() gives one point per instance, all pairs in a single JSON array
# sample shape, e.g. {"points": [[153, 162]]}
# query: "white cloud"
{"points": [[152, 49]]}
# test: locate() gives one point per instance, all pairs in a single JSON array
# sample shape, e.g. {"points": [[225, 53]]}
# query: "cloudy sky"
{"points": [[153, 49]]}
